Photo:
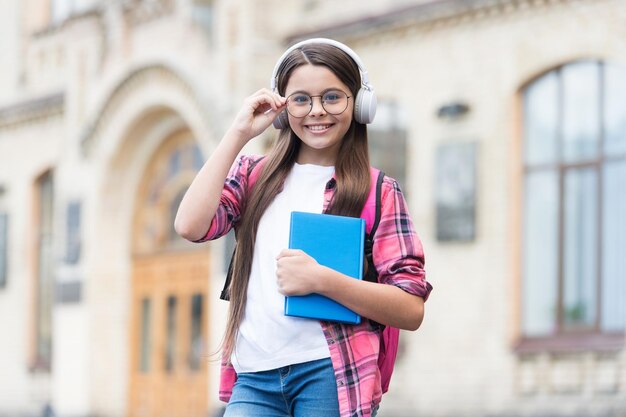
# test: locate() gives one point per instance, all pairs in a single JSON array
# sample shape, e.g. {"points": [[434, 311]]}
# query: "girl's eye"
{"points": [[332, 96], [301, 99]]}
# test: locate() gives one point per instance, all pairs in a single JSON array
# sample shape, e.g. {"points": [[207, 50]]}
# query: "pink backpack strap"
{"points": [[371, 209], [390, 336], [371, 215]]}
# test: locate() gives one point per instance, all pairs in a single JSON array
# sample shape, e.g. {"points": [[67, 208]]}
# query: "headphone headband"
{"points": [[344, 48]]}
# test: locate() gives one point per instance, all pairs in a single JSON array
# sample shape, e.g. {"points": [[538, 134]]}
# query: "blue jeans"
{"points": [[303, 390]]}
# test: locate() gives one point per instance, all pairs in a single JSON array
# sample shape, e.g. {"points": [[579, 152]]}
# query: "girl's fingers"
{"points": [[268, 97], [258, 112]]}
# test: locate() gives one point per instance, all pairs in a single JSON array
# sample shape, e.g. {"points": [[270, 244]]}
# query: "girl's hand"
{"points": [[257, 113], [296, 272]]}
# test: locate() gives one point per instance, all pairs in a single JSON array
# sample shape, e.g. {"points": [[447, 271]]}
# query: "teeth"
{"points": [[319, 127]]}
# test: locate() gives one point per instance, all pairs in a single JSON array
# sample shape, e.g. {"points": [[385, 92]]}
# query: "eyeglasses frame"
{"points": [[321, 102]]}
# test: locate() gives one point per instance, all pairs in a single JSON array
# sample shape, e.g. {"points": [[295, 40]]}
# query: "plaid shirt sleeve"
{"points": [[398, 253], [235, 189]]}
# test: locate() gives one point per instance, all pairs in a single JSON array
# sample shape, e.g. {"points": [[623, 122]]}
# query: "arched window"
{"points": [[574, 203], [169, 174]]}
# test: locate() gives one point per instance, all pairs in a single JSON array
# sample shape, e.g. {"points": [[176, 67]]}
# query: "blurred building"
{"points": [[504, 120]]}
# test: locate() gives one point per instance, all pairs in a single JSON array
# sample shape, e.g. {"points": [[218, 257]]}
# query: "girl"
{"points": [[275, 365]]}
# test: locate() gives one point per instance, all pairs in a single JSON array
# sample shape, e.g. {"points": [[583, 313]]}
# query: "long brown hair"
{"points": [[351, 172]]}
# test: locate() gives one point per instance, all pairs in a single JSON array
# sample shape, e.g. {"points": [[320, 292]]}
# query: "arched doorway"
{"points": [[169, 306]]}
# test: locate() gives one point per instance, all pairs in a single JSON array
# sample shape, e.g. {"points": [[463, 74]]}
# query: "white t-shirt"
{"points": [[267, 338]]}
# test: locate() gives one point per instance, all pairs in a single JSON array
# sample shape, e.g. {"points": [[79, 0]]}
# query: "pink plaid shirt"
{"points": [[399, 259]]}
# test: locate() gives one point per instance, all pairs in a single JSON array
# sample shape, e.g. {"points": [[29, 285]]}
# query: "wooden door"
{"points": [[170, 278], [169, 372]]}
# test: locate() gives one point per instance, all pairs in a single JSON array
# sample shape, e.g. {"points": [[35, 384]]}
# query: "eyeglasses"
{"points": [[334, 102]]}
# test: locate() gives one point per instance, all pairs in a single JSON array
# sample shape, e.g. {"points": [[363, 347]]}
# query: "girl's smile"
{"points": [[318, 128]]}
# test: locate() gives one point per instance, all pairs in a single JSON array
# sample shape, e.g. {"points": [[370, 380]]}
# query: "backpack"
{"points": [[371, 214]]}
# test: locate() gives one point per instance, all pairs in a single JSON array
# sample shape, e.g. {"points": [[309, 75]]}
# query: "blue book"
{"points": [[333, 241]]}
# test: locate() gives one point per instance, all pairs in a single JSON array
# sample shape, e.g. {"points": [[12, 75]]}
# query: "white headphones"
{"points": [[365, 101]]}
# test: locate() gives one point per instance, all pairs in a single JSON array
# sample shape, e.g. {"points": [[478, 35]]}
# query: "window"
{"points": [[196, 345], [203, 14], [73, 244], [574, 228], [45, 273], [455, 191], [387, 138], [170, 334], [145, 344]]}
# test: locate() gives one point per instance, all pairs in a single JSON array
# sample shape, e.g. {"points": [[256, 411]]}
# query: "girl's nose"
{"points": [[317, 109]]}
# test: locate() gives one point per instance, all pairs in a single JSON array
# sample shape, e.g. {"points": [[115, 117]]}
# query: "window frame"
{"points": [[584, 338]]}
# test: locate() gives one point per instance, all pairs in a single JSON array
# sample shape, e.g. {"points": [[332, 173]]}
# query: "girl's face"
{"points": [[320, 132]]}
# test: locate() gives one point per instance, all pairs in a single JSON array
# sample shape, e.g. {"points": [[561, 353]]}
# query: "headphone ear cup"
{"points": [[365, 106], [282, 121]]}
